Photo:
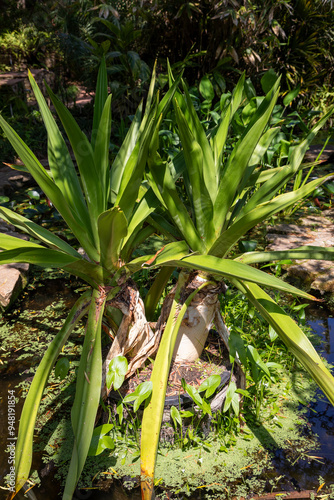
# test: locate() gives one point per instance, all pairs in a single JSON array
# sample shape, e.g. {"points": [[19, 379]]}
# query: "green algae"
{"points": [[222, 466]]}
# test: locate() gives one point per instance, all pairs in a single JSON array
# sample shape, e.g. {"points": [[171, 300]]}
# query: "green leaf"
{"points": [[112, 228], [166, 186], [125, 152], [237, 347], [36, 231], [202, 189], [101, 95], [118, 367], [290, 96], [101, 152], [210, 385], [175, 414], [100, 441], [231, 269], [143, 391], [84, 155], [61, 165], [62, 367], [87, 395], [193, 393], [152, 416], [292, 336], [206, 88], [261, 212], [268, 80], [50, 189], [255, 358], [24, 444], [239, 160], [229, 395], [304, 252]]}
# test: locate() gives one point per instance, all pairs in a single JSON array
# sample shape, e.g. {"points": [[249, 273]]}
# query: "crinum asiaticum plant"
{"points": [[105, 207], [224, 196]]}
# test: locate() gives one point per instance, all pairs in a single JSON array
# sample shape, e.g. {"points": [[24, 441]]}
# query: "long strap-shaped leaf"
{"points": [[36, 231], [292, 336], [277, 181], [163, 182], [84, 155], [239, 159], [24, 444], [152, 416], [203, 187], [112, 226], [50, 189], [31, 253], [263, 211], [304, 252], [101, 95], [228, 269], [60, 162], [88, 390]]}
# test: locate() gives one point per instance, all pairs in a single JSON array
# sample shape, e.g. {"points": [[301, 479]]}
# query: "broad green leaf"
{"points": [[37, 231], [24, 444], [268, 80], [171, 251], [87, 395], [175, 414], [237, 347], [229, 395], [142, 392], [112, 228], [8, 242], [206, 88], [290, 96], [193, 393], [292, 336], [210, 385], [209, 170], [118, 367], [35, 254], [132, 179], [219, 140], [146, 206], [100, 441], [62, 367], [255, 357]]}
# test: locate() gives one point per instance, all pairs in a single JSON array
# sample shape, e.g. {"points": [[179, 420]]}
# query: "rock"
{"points": [[313, 230], [13, 277]]}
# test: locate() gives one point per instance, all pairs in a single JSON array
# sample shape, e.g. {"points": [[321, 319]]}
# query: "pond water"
{"points": [[303, 475]]}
